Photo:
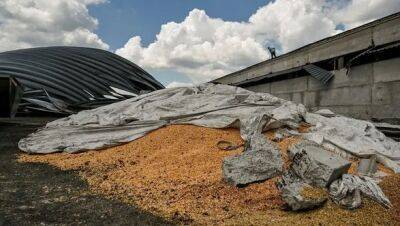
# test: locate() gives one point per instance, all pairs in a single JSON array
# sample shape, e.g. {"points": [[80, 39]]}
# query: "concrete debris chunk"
{"points": [[316, 166], [259, 161], [289, 177], [357, 137], [346, 191], [325, 112], [301, 196], [253, 126]]}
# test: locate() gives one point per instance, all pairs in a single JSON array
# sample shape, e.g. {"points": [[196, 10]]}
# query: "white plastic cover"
{"points": [[209, 105]]}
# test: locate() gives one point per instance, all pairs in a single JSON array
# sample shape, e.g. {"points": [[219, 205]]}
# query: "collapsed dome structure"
{"points": [[67, 79]]}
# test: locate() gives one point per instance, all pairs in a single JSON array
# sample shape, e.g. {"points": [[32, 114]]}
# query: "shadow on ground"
{"points": [[33, 194]]}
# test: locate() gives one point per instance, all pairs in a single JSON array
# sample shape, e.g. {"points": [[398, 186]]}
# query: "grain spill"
{"points": [[175, 172], [313, 193]]}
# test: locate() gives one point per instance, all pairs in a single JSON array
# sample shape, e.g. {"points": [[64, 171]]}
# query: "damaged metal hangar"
{"points": [[66, 80]]}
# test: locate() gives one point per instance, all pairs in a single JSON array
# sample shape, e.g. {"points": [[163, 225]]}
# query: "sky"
{"points": [[183, 42]]}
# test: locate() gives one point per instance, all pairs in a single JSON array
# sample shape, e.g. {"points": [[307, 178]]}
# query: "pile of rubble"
{"points": [[319, 163], [312, 168]]}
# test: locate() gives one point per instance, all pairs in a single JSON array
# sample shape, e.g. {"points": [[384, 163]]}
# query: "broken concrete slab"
{"points": [[289, 177], [357, 137], [301, 196], [260, 161], [316, 166]]}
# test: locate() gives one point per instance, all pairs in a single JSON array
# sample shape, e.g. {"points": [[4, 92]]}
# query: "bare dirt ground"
{"points": [[39, 194]]}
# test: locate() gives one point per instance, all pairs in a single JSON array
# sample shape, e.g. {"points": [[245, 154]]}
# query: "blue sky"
{"points": [[122, 19]]}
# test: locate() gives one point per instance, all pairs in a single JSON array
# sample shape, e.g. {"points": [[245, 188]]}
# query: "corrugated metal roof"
{"points": [[318, 73], [53, 78]]}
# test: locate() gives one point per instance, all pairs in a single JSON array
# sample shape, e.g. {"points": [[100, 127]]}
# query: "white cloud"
{"points": [[358, 12], [205, 48], [33, 23], [199, 46], [179, 84], [290, 23]]}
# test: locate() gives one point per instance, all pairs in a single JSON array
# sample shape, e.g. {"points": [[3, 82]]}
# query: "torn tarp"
{"points": [[209, 105]]}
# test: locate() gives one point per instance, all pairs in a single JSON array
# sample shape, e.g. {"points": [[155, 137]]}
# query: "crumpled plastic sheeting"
{"points": [[347, 191], [209, 105], [89, 137], [357, 137]]}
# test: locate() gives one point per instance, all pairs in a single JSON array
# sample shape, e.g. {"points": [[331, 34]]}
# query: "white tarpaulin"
{"points": [[209, 105]]}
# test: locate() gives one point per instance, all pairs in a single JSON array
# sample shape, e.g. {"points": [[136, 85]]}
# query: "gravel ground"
{"points": [[39, 194]]}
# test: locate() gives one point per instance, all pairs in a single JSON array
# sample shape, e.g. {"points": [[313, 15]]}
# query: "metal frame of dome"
{"points": [[68, 79]]}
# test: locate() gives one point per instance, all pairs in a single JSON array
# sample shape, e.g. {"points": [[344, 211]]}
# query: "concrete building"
{"points": [[355, 73]]}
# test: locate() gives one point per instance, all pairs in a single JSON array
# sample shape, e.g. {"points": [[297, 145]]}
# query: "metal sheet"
{"points": [[73, 78], [318, 73]]}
